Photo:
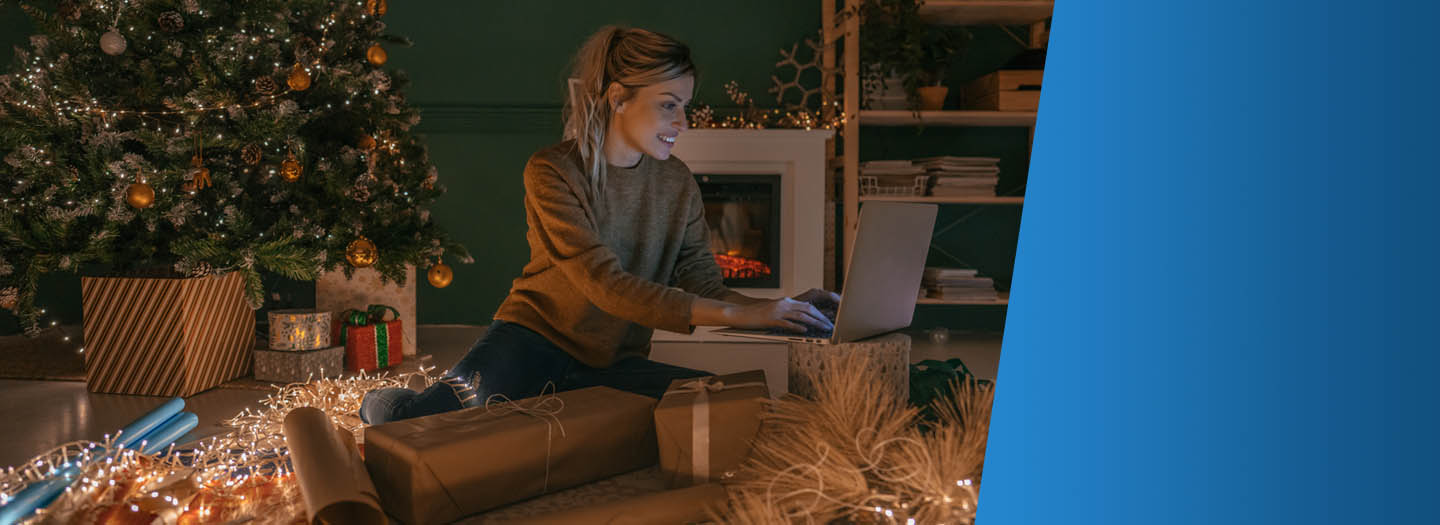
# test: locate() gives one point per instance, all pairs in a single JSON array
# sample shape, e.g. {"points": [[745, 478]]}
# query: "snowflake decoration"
{"points": [[791, 60]]}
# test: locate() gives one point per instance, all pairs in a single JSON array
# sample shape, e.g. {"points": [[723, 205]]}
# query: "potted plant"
{"points": [[901, 52], [925, 82]]}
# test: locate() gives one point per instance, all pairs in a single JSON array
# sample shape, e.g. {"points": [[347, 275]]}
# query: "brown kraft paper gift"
{"points": [[720, 416], [437, 468], [672, 507]]}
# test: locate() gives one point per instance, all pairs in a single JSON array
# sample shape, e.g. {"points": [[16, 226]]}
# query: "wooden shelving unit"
{"points": [[845, 35], [985, 12], [947, 199], [1018, 119], [1004, 300]]}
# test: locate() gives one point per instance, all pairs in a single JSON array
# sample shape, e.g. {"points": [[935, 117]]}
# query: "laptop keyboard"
{"points": [[828, 311]]}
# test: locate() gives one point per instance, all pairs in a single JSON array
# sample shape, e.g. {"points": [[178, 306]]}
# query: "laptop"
{"points": [[886, 266]]}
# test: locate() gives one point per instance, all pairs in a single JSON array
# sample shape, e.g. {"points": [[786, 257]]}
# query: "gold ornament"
{"points": [[361, 252], [250, 154], [376, 55], [290, 169], [199, 174], [140, 195], [440, 275], [112, 43], [376, 7], [299, 78], [367, 143]]}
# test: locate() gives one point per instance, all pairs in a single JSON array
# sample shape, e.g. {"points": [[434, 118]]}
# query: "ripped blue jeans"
{"points": [[516, 362]]}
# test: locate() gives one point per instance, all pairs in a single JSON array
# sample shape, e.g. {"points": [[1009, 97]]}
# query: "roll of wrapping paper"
{"points": [[332, 477], [156, 430]]}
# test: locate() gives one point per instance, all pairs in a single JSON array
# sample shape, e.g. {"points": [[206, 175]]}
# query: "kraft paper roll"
{"points": [[332, 478]]}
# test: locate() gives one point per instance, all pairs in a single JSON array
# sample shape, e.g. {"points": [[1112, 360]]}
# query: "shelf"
{"points": [[1004, 301], [981, 12], [947, 199], [903, 117]]}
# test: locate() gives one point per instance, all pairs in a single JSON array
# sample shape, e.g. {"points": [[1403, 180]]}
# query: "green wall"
{"points": [[488, 77]]}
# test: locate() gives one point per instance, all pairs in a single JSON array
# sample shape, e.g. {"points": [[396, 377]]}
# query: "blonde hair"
{"points": [[632, 58]]}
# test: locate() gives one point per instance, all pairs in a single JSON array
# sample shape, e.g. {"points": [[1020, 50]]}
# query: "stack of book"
{"points": [[892, 177], [962, 176], [958, 284]]}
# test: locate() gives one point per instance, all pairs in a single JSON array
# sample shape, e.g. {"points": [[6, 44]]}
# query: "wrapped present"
{"points": [[282, 366], [705, 425], [165, 336], [371, 342], [687, 505], [335, 292], [437, 468], [299, 330]]}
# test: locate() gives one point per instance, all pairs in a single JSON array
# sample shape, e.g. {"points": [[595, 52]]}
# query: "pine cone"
{"points": [[266, 86], [360, 193], [250, 154], [68, 10], [202, 269], [171, 22]]}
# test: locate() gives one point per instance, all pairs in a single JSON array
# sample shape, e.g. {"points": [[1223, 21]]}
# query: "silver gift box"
{"points": [[286, 366]]}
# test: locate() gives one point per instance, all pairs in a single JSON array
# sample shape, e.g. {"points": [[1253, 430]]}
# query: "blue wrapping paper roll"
{"points": [[157, 429]]}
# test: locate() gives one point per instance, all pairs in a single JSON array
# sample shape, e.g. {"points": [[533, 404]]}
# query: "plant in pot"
{"points": [[902, 54], [924, 82]]}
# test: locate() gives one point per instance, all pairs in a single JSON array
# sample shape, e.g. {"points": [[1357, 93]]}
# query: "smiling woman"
{"points": [[619, 246]]}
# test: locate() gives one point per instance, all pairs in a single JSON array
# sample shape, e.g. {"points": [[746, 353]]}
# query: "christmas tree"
{"points": [[192, 137]]}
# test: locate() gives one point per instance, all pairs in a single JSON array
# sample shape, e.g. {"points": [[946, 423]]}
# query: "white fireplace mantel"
{"points": [[798, 156]]}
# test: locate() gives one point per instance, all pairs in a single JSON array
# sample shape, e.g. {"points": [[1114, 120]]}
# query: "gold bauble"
{"points": [[140, 195], [440, 275], [367, 143], [361, 253], [290, 169], [299, 78], [376, 55]]}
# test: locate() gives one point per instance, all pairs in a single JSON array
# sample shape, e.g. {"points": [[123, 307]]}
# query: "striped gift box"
{"points": [[165, 336]]}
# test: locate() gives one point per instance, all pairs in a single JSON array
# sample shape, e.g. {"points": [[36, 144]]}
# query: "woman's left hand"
{"points": [[819, 298]]}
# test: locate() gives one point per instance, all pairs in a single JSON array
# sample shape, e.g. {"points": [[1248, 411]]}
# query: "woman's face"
{"points": [[650, 120]]}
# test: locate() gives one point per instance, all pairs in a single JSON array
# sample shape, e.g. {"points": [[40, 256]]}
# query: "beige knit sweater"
{"points": [[604, 272]]}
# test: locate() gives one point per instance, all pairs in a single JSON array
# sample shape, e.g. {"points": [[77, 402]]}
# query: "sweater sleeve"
{"points": [[695, 269], [570, 239]]}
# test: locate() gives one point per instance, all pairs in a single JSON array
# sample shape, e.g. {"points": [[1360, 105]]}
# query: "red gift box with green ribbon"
{"points": [[371, 342]]}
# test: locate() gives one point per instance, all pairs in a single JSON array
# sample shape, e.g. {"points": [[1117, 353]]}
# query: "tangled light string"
{"points": [[243, 474]]}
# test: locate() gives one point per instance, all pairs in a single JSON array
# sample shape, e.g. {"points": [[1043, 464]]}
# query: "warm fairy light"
{"points": [[246, 466]]}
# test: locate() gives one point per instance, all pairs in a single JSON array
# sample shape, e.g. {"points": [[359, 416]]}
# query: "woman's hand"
{"points": [[820, 298], [784, 313]]}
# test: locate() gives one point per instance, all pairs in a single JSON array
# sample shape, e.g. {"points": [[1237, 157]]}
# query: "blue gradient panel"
{"points": [[1225, 293]]}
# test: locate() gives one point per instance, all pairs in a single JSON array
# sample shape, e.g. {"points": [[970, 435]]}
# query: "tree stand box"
{"points": [[165, 336], [888, 355]]}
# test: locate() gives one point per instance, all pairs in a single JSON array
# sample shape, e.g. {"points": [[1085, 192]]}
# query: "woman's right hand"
{"points": [[783, 313]]}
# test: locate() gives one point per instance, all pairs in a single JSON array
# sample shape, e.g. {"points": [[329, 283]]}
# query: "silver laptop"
{"points": [[884, 278]]}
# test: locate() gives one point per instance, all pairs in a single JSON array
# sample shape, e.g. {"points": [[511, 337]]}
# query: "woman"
{"points": [[618, 247]]}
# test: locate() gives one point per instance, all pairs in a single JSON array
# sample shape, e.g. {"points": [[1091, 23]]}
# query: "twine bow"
{"points": [[545, 407], [700, 420]]}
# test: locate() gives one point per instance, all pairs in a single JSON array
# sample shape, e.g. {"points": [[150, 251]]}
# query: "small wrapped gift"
{"points": [[299, 330], [705, 425], [371, 342], [283, 366], [435, 469]]}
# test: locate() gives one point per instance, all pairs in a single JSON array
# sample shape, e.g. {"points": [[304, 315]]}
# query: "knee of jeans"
{"points": [[380, 406]]}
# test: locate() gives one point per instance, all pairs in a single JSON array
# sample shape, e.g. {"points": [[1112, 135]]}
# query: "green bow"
{"points": [[374, 314]]}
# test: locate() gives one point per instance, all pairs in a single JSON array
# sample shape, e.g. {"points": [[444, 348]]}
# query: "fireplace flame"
{"points": [[733, 267]]}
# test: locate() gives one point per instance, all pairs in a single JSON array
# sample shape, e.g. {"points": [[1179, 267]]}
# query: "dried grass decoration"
{"points": [[859, 454]]}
